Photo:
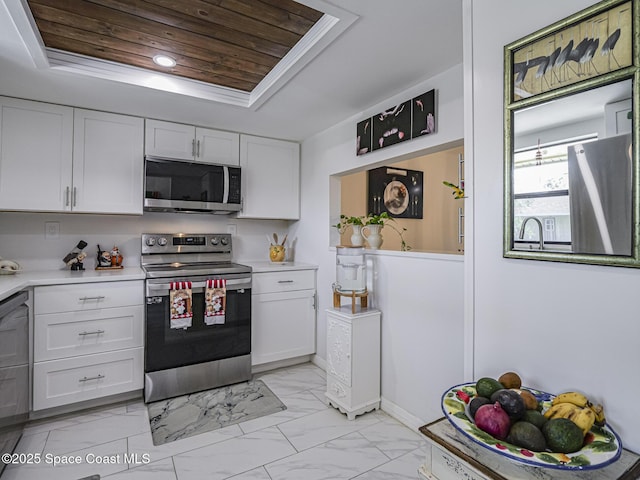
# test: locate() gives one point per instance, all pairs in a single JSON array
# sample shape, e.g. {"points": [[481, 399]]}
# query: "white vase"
{"points": [[373, 237], [356, 237]]}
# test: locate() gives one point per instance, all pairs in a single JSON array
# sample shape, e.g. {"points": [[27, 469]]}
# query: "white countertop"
{"points": [[260, 266], [10, 284]]}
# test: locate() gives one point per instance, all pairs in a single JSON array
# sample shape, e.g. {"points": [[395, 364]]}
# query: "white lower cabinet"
{"points": [[353, 361], [70, 380], [88, 342], [283, 316]]}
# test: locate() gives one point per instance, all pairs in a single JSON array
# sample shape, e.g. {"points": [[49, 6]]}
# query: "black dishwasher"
{"points": [[14, 370]]}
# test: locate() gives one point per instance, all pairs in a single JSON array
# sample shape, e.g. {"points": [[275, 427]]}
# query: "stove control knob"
{"points": [[224, 241], [214, 241], [162, 241], [151, 241]]}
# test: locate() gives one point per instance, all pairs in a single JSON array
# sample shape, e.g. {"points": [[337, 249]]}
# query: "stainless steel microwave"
{"points": [[179, 186]]}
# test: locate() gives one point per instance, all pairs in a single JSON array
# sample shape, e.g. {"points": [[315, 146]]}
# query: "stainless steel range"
{"points": [[198, 314]]}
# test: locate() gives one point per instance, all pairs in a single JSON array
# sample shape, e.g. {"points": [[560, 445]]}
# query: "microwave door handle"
{"points": [[225, 193]]}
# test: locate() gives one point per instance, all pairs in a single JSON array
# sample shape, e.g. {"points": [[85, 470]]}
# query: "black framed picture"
{"points": [[392, 126], [396, 191], [364, 135], [423, 114]]}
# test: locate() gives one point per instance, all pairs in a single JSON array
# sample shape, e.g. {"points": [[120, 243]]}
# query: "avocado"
{"points": [[510, 402], [562, 435], [527, 435], [476, 403], [535, 417], [486, 386]]}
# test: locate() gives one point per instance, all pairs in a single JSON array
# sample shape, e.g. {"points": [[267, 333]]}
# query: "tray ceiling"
{"points": [[230, 50]]}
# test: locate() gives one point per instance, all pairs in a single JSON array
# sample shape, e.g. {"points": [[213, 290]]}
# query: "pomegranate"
{"points": [[491, 418]]}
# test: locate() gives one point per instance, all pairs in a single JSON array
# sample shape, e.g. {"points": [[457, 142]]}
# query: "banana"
{"points": [[560, 410], [583, 418], [575, 398], [598, 410]]}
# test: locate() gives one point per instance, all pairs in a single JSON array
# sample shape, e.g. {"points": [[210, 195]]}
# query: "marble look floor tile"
{"points": [[88, 434], [88, 466], [32, 443], [61, 421], [394, 439], [293, 379], [231, 457], [319, 393], [161, 470], [404, 467], [143, 443], [298, 405], [343, 458], [323, 426], [255, 474]]}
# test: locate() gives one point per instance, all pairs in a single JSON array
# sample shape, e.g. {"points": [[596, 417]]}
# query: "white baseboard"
{"points": [[401, 414], [319, 362], [265, 367]]}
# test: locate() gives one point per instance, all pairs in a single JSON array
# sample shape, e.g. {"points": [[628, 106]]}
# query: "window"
{"points": [[541, 190]]}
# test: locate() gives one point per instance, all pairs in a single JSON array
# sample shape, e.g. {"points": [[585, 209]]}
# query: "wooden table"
{"points": [[453, 456]]}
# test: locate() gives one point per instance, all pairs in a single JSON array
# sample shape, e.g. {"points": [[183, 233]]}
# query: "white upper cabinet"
{"points": [[186, 142], [108, 163], [270, 178], [59, 159], [35, 155]]}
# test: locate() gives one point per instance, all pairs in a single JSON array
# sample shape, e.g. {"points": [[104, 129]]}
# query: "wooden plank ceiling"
{"points": [[231, 43]]}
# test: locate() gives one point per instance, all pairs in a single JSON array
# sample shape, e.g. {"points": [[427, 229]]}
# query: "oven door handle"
{"points": [[232, 284]]}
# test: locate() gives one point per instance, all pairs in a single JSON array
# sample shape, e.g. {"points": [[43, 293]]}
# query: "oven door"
{"points": [[168, 348]]}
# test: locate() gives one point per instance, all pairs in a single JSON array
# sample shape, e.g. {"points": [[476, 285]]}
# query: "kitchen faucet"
{"points": [[524, 224]]}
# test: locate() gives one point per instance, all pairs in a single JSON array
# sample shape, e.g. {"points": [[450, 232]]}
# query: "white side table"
{"points": [[353, 360]]}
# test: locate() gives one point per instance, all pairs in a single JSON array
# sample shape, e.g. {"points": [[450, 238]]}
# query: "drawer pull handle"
{"points": [[84, 299], [86, 379], [285, 281], [97, 332]]}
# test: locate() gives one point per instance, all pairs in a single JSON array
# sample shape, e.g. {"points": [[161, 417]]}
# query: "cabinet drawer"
{"points": [[87, 296], [62, 335], [70, 380], [273, 282]]}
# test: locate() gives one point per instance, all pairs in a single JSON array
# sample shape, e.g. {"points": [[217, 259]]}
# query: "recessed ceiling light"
{"points": [[164, 61]]}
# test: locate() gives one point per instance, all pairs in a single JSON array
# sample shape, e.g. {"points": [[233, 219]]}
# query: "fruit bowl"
{"points": [[602, 447]]}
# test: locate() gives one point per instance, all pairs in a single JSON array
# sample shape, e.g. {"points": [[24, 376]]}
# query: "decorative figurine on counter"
{"points": [[109, 260], [104, 258], [76, 256], [116, 257]]}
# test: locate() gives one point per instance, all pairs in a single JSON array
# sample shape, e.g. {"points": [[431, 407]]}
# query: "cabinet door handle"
{"points": [[285, 281], [198, 148], [86, 379], [84, 299], [66, 197], [75, 196], [96, 332], [193, 147]]}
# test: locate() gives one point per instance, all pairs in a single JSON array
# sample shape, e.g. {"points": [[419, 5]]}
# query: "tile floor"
{"points": [[307, 441]]}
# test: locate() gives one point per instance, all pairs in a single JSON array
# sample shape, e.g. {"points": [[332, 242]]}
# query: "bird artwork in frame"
{"points": [[594, 42]]}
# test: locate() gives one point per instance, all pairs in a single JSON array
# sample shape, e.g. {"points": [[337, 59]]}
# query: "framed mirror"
{"points": [[571, 177]]}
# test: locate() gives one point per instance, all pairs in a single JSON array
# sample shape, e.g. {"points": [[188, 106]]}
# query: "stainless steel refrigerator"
{"points": [[600, 199]]}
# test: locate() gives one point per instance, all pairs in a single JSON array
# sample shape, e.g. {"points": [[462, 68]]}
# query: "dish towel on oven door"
{"points": [[215, 299], [180, 297]]}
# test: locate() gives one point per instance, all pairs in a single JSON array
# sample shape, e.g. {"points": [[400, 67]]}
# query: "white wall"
{"points": [[22, 235], [561, 326], [420, 295]]}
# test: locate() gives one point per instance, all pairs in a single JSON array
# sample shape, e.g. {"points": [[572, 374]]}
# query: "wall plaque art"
{"points": [[396, 191], [409, 119]]}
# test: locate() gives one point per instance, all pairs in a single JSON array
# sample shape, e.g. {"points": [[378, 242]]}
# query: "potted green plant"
{"points": [[375, 223], [356, 224], [372, 223]]}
